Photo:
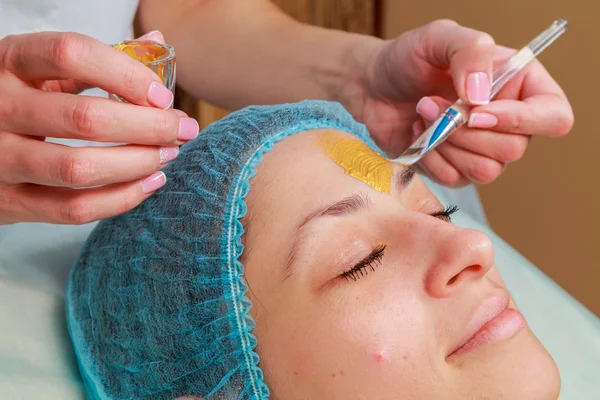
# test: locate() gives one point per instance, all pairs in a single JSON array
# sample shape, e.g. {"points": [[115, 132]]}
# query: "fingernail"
{"points": [[167, 154], [482, 120], [154, 182], [149, 34], [188, 129], [160, 96], [428, 108], [478, 88]]}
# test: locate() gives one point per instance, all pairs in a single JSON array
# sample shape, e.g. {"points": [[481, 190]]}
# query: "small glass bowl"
{"points": [[159, 57]]}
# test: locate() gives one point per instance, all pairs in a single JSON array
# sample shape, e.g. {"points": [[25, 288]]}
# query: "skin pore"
{"points": [[389, 329]]}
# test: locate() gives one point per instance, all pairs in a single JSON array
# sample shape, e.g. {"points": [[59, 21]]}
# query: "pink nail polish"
{"points": [[482, 120], [478, 88], [160, 96], [188, 129], [167, 154], [428, 109], [154, 182]]}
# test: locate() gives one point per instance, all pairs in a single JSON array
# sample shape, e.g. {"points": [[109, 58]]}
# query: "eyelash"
{"points": [[446, 214], [374, 259], [369, 263]]}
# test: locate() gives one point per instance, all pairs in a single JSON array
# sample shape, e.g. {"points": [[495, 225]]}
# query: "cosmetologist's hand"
{"points": [[407, 82], [40, 74]]}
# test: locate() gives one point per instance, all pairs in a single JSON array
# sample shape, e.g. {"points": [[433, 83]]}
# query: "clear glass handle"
{"points": [[546, 38], [527, 54], [510, 68]]}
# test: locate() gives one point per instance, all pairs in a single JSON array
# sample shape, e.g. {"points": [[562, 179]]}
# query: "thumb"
{"points": [[468, 53], [157, 36]]}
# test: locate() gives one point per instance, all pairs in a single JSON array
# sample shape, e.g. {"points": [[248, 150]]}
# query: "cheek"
{"points": [[390, 335], [360, 343]]}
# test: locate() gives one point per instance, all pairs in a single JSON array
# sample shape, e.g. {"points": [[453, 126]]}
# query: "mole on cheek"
{"points": [[341, 373]]}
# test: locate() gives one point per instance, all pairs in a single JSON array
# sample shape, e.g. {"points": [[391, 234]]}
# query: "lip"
{"points": [[493, 321]]}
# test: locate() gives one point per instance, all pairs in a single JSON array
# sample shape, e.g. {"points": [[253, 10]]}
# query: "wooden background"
{"points": [[360, 16]]}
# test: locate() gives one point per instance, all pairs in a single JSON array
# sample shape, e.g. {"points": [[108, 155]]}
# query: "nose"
{"points": [[462, 257]]}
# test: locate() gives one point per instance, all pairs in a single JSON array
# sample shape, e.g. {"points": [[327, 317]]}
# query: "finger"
{"points": [[441, 171], [473, 166], [97, 119], [542, 114], [54, 55], [503, 147], [180, 113], [74, 86], [468, 53], [532, 81], [434, 165], [157, 36], [431, 107], [545, 115], [33, 203], [544, 110], [65, 86], [53, 164], [418, 127]]}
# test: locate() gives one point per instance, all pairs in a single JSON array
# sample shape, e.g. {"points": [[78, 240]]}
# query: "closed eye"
{"points": [[369, 263], [446, 214]]}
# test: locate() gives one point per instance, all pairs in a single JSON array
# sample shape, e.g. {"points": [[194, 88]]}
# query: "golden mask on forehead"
{"points": [[358, 160]]}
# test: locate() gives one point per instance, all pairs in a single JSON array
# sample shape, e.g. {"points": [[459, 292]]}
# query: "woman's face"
{"points": [[361, 294]]}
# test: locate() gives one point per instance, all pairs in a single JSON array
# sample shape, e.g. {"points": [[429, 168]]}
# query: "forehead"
{"points": [[294, 155], [296, 174], [322, 153], [292, 180]]}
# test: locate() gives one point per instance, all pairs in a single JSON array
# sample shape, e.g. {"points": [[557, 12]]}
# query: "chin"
{"points": [[539, 372], [519, 368]]}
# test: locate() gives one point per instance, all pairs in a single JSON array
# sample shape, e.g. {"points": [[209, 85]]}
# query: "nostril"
{"points": [[473, 270], [467, 273]]}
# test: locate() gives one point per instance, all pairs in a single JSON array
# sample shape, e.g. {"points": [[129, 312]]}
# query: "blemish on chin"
{"points": [[379, 357]]}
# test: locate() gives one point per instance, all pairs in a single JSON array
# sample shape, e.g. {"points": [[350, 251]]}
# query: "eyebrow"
{"points": [[349, 205], [405, 177]]}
